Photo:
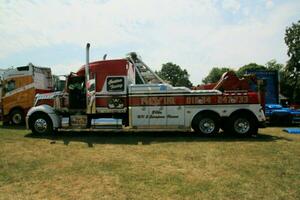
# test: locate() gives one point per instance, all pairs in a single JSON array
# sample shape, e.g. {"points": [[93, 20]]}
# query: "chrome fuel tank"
{"points": [[106, 123]]}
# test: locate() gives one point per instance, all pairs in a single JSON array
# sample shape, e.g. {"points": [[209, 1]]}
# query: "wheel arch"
{"points": [[43, 109], [206, 111], [242, 112], [16, 108]]}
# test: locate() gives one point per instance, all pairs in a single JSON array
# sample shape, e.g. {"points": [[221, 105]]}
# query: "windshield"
{"points": [[59, 83]]}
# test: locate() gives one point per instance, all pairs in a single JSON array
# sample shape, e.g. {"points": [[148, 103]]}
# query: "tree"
{"points": [[175, 75], [215, 75], [292, 40], [251, 66], [273, 65], [286, 84]]}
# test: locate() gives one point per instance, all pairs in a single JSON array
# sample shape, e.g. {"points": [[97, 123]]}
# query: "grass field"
{"points": [[149, 166]]}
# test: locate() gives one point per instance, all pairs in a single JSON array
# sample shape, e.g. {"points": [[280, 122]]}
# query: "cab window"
{"points": [[10, 85]]}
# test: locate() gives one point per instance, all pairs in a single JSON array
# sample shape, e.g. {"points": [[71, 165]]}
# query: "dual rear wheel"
{"points": [[240, 124]]}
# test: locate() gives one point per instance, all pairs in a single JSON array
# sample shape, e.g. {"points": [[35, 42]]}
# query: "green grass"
{"points": [[149, 166]]}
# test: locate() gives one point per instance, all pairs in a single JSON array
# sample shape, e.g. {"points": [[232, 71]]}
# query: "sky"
{"points": [[195, 34]]}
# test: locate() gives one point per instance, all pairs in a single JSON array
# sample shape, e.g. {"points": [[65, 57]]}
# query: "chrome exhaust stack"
{"points": [[87, 69]]}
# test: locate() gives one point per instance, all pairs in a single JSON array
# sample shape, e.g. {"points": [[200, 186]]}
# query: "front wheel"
{"points": [[243, 125], [17, 117], [41, 124]]}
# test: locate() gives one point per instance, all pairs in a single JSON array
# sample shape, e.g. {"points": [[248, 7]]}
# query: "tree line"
{"points": [[288, 73]]}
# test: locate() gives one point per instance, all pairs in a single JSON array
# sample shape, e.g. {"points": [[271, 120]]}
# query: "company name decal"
{"points": [[157, 101], [198, 100], [233, 99], [217, 100], [190, 100]]}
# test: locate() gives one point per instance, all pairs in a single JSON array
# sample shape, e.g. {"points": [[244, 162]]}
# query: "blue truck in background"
{"points": [[271, 84], [277, 114], [274, 111]]}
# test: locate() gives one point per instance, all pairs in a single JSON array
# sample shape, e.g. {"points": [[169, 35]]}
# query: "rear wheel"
{"points": [[206, 124], [17, 117], [41, 123], [243, 125]]}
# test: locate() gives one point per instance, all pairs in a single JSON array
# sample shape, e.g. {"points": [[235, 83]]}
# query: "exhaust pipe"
{"points": [[87, 68]]}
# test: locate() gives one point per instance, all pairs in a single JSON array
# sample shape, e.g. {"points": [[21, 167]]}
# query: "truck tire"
{"points": [[206, 124], [41, 123], [242, 125], [16, 117]]}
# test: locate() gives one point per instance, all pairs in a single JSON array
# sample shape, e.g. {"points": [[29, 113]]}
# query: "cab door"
{"points": [[90, 96], [77, 92]]}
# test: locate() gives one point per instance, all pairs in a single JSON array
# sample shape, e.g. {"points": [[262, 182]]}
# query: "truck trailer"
{"points": [[126, 95]]}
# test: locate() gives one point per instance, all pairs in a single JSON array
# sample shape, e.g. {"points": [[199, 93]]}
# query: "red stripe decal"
{"points": [[250, 98]]}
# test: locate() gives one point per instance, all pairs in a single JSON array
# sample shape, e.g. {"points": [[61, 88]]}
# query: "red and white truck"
{"points": [[125, 94]]}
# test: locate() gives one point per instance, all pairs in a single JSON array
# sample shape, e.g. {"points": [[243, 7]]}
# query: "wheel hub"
{"points": [[207, 126], [242, 126], [40, 125], [17, 118]]}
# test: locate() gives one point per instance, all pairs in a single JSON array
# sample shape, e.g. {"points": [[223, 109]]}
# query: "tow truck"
{"points": [[126, 95]]}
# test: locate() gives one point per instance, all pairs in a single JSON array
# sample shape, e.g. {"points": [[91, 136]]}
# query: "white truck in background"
{"points": [[18, 89]]}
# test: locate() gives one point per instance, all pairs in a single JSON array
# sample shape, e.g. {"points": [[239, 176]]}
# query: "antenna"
{"points": [[104, 57]]}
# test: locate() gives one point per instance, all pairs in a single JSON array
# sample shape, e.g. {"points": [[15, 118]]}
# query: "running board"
{"points": [[121, 130]]}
